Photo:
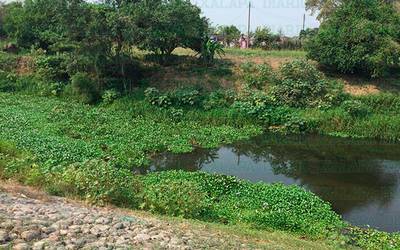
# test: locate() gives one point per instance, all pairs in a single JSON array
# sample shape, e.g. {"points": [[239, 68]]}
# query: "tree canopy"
{"points": [[263, 37], [97, 38], [162, 26], [229, 33], [360, 36], [325, 8]]}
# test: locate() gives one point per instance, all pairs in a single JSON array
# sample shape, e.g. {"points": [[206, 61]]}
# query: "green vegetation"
{"points": [[230, 34], [359, 37], [83, 103], [228, 200], [201, 196], [210, 50], [127, 132], [163, 26], [191, 195], [267, 53]]}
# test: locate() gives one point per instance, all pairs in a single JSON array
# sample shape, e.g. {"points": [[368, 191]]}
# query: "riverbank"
{"points": [[51, 140], [212, 198], [30, 218]]}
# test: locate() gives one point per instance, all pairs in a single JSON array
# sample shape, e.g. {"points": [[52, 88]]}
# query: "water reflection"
{"points": [[360, 178]]}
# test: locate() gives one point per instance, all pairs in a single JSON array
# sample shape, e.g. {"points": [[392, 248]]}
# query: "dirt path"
{"points": [[32, 221]]}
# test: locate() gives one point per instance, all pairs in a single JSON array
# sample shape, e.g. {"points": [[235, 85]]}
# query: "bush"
{"points": [[179, 98], [109, 96], [219, 99], [253, 104], [84, 88], [359, 37], [300, 84], [174, 197], [257, 76], [176, 114], [154, 97], [7, 81], [8, 62], [372, 239], [53, 67], [384, 102], [99, 182], [356, 108], [186, 97], [230, 200], [10, 82]]}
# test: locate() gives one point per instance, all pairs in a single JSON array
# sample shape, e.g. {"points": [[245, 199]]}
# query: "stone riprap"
{"points": [[28, 223]]}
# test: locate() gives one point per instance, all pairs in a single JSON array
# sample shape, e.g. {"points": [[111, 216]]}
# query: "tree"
{"points": [[360, 36], [308, 34], [326, 7], [263, 37], [210, 50], [44, 23], [2, 13], [163, 25], [323, 7], [229, 34]]}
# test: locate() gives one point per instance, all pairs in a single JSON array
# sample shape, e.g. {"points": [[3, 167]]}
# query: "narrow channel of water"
{"points": [[360, 178]]}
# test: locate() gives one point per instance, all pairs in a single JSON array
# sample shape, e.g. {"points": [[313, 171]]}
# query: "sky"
{"points": [[286, 15]]}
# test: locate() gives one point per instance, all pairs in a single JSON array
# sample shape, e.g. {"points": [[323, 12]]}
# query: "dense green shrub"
{"points": [[176, 114], [7, 81], [356, 108], [43, 88], [174, 197], [84, 88], [8, 62], [263, 108], [99, 182], [383, 102], [371, 239], [253, 104], [219, 99], [109, 96], [301, 84], [178, 98], [52, 67], [8, 156], [361, 36], [186, 97], [11, 82], [257, 76], [300, 70], [263, 206]]}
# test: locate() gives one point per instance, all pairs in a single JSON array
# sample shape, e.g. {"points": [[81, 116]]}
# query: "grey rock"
{"points": [[40, 245], [4, 237], [30, 235], [119, 226], [21, 246], [142, 238]]}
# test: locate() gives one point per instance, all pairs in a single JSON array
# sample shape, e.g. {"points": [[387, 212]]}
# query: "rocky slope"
{"points": [[56, 223]]}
